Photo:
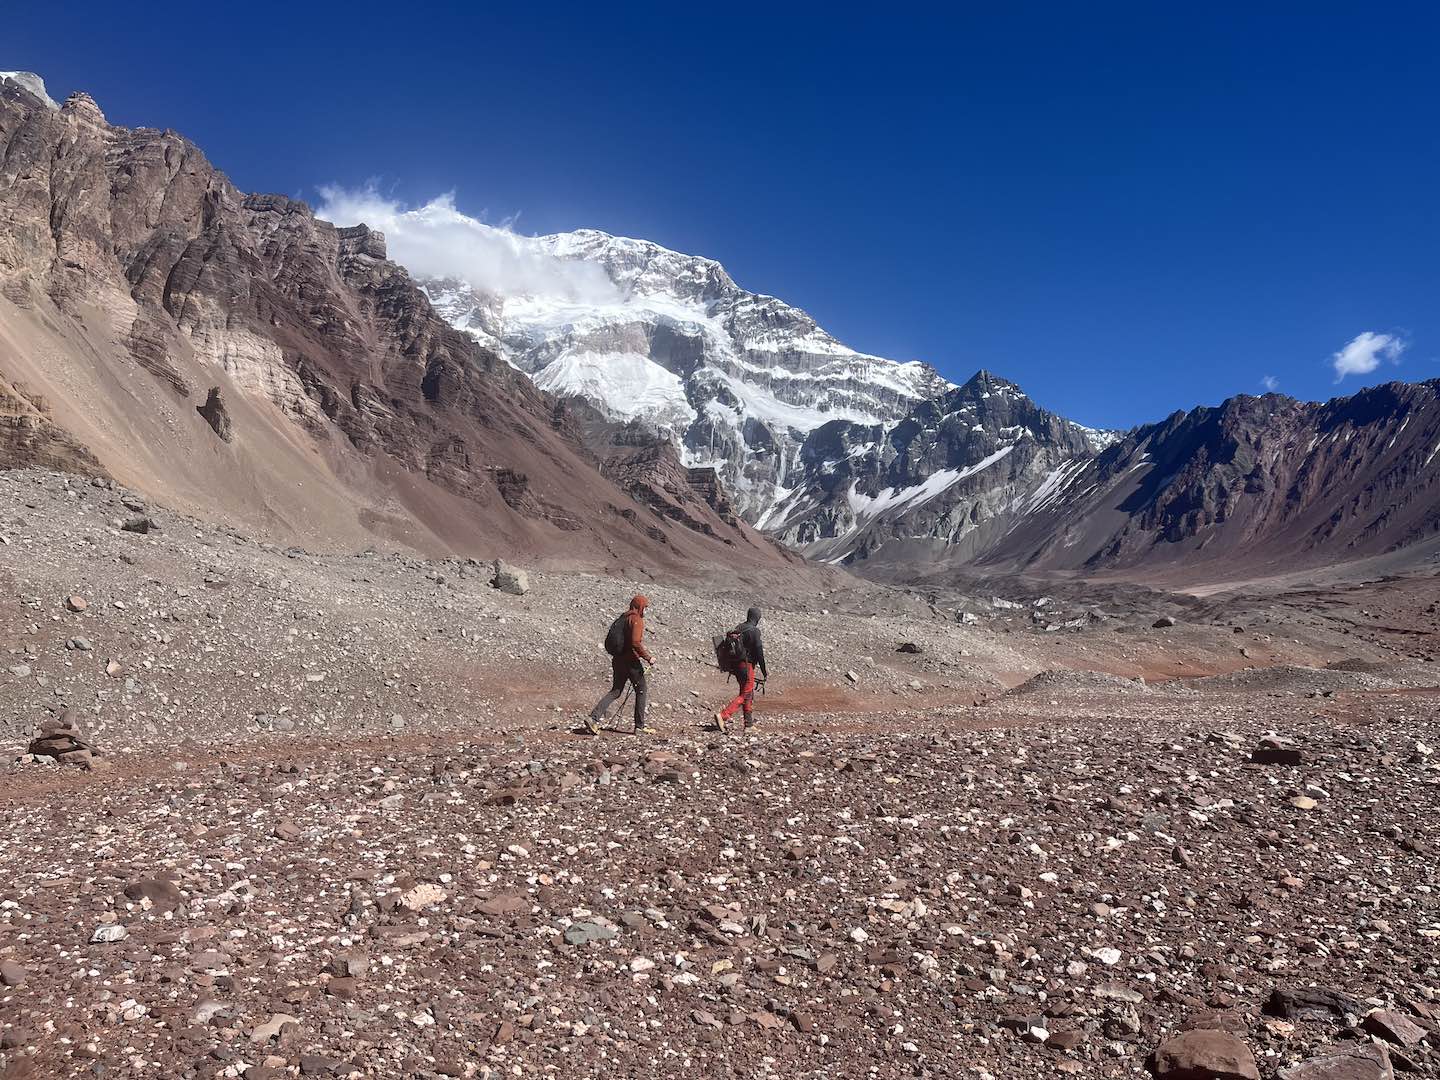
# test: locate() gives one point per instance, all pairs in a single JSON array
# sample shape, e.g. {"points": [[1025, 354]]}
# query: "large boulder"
{"points": [[510, 580], [1205, 1055]]}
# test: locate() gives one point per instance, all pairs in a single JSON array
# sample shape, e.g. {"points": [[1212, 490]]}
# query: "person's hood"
{"points": [[753, 616], [640, 603]]}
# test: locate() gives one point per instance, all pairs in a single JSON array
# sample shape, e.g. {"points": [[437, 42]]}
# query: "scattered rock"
{"points": [[350, 965], [139, 524], [161, 894], [1312, 1003], [1355, 1063], [263, 1033], [1205, 1055], [1276, 751], [583, 933], [1394, 1027], [12, 974], [60, 738], [510, 580], [422, 896]]}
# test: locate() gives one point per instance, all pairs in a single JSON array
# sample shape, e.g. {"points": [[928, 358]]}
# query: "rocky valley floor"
{"points": [[341, 823]]}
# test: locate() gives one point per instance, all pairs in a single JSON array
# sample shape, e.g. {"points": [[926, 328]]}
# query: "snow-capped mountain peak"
{"points": [[737, 378]]}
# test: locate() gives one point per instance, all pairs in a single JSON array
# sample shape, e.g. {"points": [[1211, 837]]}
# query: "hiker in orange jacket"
{"points": [[626, 668]]}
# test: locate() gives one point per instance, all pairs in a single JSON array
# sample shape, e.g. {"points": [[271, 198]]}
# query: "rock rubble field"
{"points": [[333, 817]]}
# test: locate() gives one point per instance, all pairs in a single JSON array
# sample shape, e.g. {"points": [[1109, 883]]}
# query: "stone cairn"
{"points": [[59, 737]]}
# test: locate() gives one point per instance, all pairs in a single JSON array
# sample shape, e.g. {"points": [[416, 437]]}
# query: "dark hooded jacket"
{"points": [[750, 635]]}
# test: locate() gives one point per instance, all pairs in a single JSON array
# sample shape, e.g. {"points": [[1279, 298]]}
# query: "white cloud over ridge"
{"points": [[1365, 352], [1270, 383], [437, 240]]}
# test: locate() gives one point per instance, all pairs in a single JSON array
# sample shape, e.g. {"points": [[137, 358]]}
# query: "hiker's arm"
{"points": [[637, 640], [760, 654]]}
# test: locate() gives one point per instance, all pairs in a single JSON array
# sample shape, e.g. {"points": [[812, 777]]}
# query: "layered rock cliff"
{"points": [[135, 280]]}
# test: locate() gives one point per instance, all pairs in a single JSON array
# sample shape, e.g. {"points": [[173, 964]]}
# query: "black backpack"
{"points": [[617, 637], [730, 650]]}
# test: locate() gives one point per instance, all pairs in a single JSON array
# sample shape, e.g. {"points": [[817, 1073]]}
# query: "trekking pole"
{"points": [[612, 717]]}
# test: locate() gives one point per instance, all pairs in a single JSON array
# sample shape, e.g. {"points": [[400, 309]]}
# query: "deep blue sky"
{"points": [[1125, 208]]}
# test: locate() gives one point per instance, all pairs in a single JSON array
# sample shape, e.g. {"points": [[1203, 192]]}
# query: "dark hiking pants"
{"points": [[633, 673]]}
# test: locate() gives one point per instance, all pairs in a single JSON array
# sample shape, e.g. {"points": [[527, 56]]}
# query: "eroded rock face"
{"points": [[216, 414], [334, 363], [30, 438], [1269, 478], [953, 474]]}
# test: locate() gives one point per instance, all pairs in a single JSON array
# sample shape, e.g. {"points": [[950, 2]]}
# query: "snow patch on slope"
{"points": [[633, 385], [28, 80], [868, 507], [1054, 485]]}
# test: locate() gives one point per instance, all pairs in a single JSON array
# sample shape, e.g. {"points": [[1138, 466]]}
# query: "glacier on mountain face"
{"points": [[632, 387], [737, 379]]}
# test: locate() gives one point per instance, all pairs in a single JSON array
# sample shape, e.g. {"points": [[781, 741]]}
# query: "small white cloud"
{"points": [[437, 240], [1365, 352], [1270, 383]]}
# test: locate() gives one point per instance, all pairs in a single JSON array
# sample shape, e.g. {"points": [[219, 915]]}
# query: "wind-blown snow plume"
{"points": [[1364, 353], [437, 240]]}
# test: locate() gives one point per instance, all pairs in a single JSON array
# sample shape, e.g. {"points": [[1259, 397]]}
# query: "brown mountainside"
{"points": [[241, 359]]}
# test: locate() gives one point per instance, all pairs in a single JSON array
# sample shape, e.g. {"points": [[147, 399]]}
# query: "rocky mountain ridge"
{"points": [[1263, 483], [247, 361], [983, 478], [244, 360], [735, 378], [887, 469]]}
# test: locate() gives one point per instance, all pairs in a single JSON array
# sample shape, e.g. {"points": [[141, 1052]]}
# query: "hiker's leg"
{"points": [[746, 677], [642, 693], [617, 687]]}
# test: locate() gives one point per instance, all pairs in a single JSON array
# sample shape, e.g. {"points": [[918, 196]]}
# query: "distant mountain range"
{"points": [[239, 357], [885, 467]]}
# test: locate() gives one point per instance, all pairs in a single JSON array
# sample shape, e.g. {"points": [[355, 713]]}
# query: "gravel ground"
{"points": [[343, 826]]}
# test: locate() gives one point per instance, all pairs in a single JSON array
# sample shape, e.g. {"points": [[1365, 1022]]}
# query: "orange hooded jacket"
{"points": [[635, 650]]}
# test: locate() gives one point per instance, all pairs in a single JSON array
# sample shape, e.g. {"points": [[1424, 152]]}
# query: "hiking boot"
{"points": [[719, 723], [748, 725], [590, 726], [645, 729]]}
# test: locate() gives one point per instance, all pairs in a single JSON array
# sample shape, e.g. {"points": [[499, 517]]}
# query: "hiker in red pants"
{"points": [[742, 652]]}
